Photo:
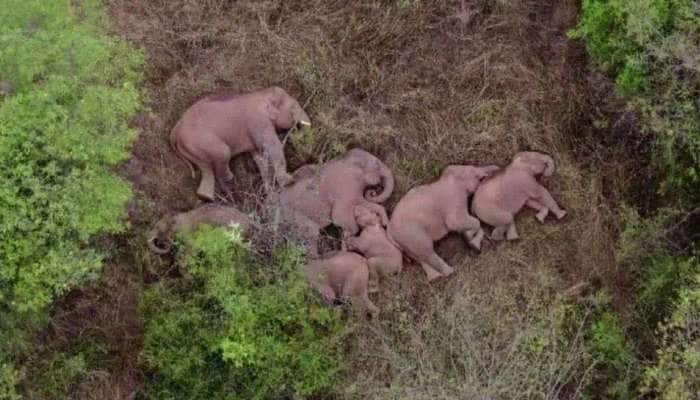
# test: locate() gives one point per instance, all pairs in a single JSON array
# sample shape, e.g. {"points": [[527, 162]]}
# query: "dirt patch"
{"points": [[420, 84]]}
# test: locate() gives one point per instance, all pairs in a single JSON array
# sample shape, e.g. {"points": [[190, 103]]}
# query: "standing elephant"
{"points": [[161, 236], [498, 199], [342, 276], [383, 256], [327, 194], [217, 128], [429, 212]]}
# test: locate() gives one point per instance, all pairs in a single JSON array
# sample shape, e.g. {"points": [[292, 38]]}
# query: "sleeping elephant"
{"points": [[498, 199], [342, 276], [328, 193], [217, 128], [383, 256], [161, 236], [428, 212]]}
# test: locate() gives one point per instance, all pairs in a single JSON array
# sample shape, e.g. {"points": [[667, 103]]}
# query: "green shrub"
{"points": [[61, 132], [616, 360], [237, 327], [648, 47], [676, 373]]}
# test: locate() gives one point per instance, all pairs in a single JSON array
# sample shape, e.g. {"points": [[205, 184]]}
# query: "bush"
{"points": [[648, 47], [615, 359], [62, 128], [237, 327], [676, 373]]}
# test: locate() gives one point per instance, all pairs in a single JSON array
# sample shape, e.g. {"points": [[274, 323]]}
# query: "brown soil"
{"points": [[420, 84]]}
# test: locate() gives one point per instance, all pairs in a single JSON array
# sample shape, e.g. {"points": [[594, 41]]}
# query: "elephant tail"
{"points": [[175, 144]]}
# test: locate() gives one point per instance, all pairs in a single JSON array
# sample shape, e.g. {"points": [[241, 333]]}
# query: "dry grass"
{"points": [[422, 84]]}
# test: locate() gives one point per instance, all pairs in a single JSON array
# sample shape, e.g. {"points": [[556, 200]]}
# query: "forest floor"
{"points": [[421, 85]]}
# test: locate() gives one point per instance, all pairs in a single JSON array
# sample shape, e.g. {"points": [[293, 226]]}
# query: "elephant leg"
{"points": [[435, 267], [207, 182], [374, 267], [223, 174], [264, 168], [545, 198], [459, 220], [542, 211], [308, 232], [473, 232], [498, 233], [501, 221], [355, 289], [512, 233], [327, 294]]}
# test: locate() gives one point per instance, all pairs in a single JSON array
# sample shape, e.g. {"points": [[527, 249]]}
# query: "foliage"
{"points": [[676, 373], [651, 48], [61, 131], [616, 360], [237, 327]]}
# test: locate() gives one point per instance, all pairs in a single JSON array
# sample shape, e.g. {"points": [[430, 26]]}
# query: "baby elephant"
{"points": [[498, 199], [428, 212], [343, 276], [161, 236], [383, 256]]}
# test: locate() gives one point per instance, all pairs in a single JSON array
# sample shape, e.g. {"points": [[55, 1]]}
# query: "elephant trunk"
{"points": [[387, 184], [549, 165]]}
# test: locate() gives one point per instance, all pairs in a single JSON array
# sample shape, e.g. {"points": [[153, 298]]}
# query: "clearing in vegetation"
{"points": [[420, 84]]}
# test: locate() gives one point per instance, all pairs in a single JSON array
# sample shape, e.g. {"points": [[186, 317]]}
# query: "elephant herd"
{"points": [[346, 192]]}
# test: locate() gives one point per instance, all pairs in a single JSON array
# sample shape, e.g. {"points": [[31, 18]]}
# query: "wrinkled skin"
{"points": [[342, 276], [328, 193], [500, 198], [383, 256], [161, 236], [429, 212], [217, 128]]}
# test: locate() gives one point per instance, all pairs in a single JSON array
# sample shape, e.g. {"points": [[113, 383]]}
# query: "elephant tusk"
{"points": [[306, 123]]}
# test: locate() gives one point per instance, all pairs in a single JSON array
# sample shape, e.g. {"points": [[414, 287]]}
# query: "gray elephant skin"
{"points": [[429, 212], [217, 128], [328, 193], [161, 236], [500, 198], [342, 276]]}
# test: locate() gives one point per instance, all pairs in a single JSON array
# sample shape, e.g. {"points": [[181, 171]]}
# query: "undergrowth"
{"points": [[63, 126], [238, 327]]}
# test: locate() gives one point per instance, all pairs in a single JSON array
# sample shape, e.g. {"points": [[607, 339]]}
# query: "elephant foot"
{"points": [[497, 234], [542, 215], [447, 271], [475, 242], [431, 273], [561, 214], [512, 234]]}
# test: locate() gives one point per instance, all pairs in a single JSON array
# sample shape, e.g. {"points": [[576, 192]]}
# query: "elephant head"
{"points": [[375, 173], [536, 163], [286, 112], [159, 238], [468, 176], [366, 217]]}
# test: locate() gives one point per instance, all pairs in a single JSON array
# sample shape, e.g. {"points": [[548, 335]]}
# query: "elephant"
{"points": [[161, 236], [327, 194], [383, 256], [429, 212], [217, 128], [342, 276], [498, 199]]}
